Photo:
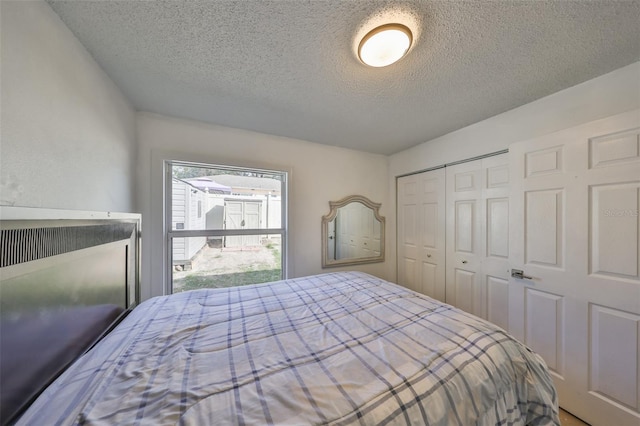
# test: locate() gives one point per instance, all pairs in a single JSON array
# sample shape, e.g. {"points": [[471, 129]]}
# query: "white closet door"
{"points": [[464, 236], [421, 236], [478, 238], [575, 232], [495, 248]]}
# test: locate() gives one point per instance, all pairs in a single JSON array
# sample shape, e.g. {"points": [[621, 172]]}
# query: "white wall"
{"points": [[68, 140], [67, 137], [318, 174], [607, 95]]}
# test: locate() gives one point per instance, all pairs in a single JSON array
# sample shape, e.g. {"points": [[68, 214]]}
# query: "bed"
{"points": [[336, 348]]}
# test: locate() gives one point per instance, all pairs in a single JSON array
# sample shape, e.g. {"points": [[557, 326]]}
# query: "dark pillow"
{"points": [[36, 349]]}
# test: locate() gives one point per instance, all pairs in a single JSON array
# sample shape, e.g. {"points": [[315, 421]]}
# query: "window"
{"points": [[226, 226]]}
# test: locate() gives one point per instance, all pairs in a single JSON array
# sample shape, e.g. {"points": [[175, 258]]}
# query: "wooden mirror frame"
{"points": [[334, 206]]}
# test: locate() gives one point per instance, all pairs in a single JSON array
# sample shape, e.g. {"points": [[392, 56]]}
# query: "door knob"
{"points": [[464, 261], [519, 274]]}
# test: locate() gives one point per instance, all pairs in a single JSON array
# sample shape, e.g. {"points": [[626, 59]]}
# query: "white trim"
{"points": [[36, 213], [161, 224]]}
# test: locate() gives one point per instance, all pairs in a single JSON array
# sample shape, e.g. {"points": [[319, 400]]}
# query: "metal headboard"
{"points": [[53, 258]]}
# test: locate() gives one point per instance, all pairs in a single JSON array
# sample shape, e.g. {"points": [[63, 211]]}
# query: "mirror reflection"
{"points": [[352, 232]]}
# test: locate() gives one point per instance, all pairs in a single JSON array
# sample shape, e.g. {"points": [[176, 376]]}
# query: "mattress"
{"points": [[337, 348]]}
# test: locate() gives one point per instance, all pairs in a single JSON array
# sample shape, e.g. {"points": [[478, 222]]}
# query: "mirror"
{"points": [[352, 232]]}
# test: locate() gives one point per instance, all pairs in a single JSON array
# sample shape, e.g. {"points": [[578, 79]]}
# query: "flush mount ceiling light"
{"points": [[385, 45]]}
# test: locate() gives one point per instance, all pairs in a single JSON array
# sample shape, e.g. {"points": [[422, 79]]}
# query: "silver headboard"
{"points": [[60, 258]]}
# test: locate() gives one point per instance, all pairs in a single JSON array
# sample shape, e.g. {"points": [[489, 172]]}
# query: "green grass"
{"points": [[194, 282], [249, 274]]}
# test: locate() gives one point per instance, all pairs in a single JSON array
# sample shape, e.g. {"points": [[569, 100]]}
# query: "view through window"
{"points": [[227, 225]]}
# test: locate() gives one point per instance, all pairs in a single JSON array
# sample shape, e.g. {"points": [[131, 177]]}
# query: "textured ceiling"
{"points": [[289, 68]]}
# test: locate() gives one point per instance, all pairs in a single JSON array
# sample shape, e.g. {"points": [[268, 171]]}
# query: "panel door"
{"points": [[478, 238], [342, 227], [347, 224], [494, 282], [408, 261], [252, 215], [365, 234], [242, 215], [421, 233], [575, 233], [234, 214], [464, 236]]}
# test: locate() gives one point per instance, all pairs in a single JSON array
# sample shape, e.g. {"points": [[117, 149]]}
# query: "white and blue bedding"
{"points": [[338, 348]]}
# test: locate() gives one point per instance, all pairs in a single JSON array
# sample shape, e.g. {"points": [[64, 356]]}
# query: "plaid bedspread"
{"points": [[337, 348]]}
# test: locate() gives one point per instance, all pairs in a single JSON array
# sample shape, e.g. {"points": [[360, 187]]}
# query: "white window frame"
{"points": [[170, 233]]}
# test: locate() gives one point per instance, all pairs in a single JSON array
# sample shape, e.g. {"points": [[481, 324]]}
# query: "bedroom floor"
{"points": [[567, 419]]}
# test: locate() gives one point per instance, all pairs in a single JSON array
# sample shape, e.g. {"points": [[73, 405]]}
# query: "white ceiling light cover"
{"points": [[385, 45]]}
